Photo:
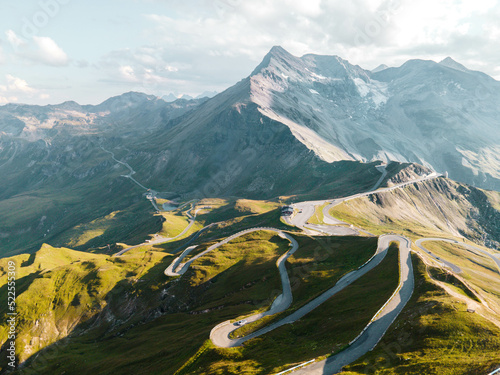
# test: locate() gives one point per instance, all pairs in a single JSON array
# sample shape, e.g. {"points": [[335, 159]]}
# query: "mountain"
{"points": [[169, 98], [424, 112], [437, 114], [450, 63], [379, 68], [172, 97], [207, 94], [67, 169], [74, 306], [314, 125], [56, 176], [294, 130]]}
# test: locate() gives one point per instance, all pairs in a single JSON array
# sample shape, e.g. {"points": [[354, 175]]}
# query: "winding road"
{"points": [[168, 239], [307, 209], [443, 262], [452, 266], [381, 321], [132, 172], [219, 334]]}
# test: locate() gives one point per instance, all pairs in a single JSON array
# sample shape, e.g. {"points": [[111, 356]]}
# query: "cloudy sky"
{"points": [[89, 50]]}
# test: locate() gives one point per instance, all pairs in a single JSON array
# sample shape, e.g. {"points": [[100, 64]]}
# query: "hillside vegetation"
{"points": [[123, 314], [60, 289], [434, 334], [435, 208]]}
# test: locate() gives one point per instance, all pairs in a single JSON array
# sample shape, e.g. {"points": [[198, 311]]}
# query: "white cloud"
{"points": [[15, 87], [190, 47], [38, 49], [13, 39], [127, 73], [215, 44], [367, 32], [49, 52]]}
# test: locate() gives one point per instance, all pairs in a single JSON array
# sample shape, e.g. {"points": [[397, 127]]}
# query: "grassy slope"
{"points": [[317, 218], [448, 278], [323, 331], [478, 270], [435, 208], [433, 335], [316, 266], [237, 277], [131, 225], [58, 212], [232, 216], [57, 289], [234, 280]]}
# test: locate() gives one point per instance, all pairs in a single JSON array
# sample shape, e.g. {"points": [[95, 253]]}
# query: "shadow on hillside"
{"points": [[137, 303], [99, 326]]}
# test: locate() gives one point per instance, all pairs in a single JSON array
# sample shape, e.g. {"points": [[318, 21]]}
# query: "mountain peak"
{"points": [[276, 53], [278, 50], [127, 99], [450, 63], [380, 68]]}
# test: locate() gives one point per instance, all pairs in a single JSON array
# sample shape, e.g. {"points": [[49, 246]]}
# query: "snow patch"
{"points": [[375, 90]]}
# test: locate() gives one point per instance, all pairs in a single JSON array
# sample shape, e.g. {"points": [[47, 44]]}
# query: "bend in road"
{"points": [[443, 262], [308, 207], [375, 330], [163, 240], [455, 268], [220, 334]]}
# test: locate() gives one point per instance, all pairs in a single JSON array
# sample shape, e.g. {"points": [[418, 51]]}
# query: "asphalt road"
{"points": [[219, 334], [441, 261], [165, 239], [308, 208], [173, 268], [455, 268], [176, 268], [379, 324]]}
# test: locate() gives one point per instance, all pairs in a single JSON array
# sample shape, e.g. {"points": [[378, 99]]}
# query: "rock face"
{"points": [[440, 115]]}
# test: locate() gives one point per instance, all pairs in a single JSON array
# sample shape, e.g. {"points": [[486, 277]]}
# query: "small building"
{"points": [[286, 211]]}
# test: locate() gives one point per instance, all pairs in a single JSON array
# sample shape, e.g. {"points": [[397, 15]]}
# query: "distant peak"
{"points": [[448, 60], [380, 68], [450, 63], [128, 98]]}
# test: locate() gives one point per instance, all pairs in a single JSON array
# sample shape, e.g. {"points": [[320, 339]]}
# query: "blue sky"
{"points": [[87, 50]]}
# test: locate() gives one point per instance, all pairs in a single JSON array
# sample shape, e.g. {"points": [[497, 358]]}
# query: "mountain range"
{"points": [[309, 125], [441, 115]]}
